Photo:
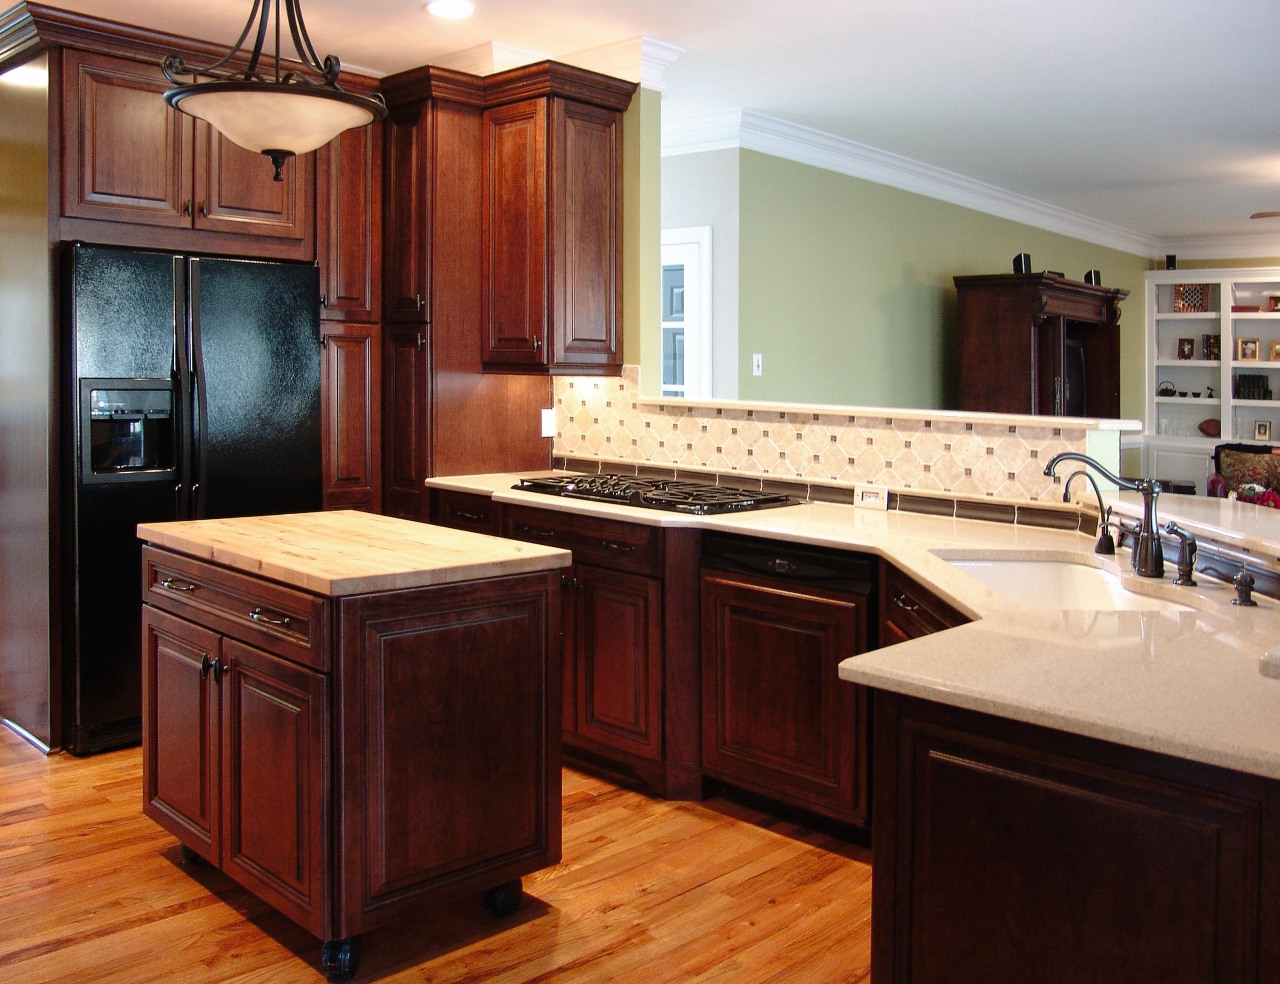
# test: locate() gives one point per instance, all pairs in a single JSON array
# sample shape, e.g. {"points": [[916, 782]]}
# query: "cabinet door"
{"points": [[181, 730], [274, 824], [234, 191], [350, 422], [126, 154], [908, 610], [514, 231], [349, 225], [776, 717], [405, 436], [585, 272], [406, 214], [618, 660]]}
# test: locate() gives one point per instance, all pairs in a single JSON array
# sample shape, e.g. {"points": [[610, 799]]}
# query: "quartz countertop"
{"points": [[347, 552], [1196, 682]]}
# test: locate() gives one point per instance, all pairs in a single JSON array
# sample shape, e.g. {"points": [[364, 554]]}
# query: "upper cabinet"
{"points": [[552, 166], [349, 225], [130, 158]]}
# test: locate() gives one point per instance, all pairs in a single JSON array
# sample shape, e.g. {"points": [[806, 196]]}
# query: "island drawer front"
{"points": [[290, 623], [915, 610], [603, 542]]}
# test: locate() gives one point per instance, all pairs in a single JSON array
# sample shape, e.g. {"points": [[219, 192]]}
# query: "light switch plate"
{"points": [[549, 422], [871, 497]]}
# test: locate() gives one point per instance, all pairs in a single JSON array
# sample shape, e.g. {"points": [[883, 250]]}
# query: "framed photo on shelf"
{"points": [[1275, 352], [1262, 430], [1273, 303], [1186, 348], [1247, 350]]}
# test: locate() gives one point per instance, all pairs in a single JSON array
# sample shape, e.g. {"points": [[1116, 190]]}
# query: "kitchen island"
{"points": [[1061, 792], [351, 715]]}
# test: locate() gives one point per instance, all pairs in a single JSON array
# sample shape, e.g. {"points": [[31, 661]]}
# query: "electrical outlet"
{"points": [[549, 422], [757, 364], [871, 496]]}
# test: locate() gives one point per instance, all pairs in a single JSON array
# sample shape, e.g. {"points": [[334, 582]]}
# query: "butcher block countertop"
{"points": [[343, 553]]}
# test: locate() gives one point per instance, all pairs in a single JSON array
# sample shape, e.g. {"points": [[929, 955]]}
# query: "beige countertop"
{"points": [[1196, 683], [346, 552]]}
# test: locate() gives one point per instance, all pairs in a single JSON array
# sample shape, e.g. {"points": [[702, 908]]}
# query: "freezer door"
{"points": [[255, 343]]}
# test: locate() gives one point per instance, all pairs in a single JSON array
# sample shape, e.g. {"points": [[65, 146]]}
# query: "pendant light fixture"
{"points": [[267, 110]]}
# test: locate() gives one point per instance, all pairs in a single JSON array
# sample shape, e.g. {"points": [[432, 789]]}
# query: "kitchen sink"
{"points": [[1058, 584]]}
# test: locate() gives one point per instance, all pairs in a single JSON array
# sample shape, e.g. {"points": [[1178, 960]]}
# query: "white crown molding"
{"points": [[767, 135], [1264, 243], [639, 59]]}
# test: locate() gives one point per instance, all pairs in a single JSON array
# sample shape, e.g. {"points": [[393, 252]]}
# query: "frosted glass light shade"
{"points": [[264, 116]]}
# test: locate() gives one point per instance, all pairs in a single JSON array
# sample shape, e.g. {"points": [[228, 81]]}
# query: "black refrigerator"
{"points": [[192, 391]]}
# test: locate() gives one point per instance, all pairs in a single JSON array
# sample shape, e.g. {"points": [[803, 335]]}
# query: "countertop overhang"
{"points": [[345, 552], [1195, 683]]}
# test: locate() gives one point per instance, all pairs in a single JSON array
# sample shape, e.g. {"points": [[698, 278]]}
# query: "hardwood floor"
{"points": [[650, 891]]}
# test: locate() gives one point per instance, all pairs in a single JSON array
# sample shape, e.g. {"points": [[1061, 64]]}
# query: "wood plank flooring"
{"points": [[649, 891]]}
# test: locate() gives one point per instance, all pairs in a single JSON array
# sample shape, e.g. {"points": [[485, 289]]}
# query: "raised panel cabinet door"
{"points": [[1007, 852], [776, 717], [181, 730], [350, 391], [514, 233], [349, 225], [126, 154], [585, 235], [405, 431], [406, 254], [618, 660], [275, 775], [234, 191], [460, 684]]}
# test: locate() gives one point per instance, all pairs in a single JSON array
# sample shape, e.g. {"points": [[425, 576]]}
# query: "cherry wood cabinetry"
{"points": [[465, 511], [776, 718], [1037, 343], [908, 610], [128, 158], [1010, 852], [350, 424], [349, 225], [353, 759], [552, 269]]}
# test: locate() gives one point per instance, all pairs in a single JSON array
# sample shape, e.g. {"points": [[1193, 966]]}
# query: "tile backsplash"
{"points": [[604, 419]]}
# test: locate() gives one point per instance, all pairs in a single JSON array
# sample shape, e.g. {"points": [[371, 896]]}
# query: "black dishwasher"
{"points": [[777, 620]]}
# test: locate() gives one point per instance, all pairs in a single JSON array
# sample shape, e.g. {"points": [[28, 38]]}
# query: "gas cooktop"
{"points": [[654, 493]]}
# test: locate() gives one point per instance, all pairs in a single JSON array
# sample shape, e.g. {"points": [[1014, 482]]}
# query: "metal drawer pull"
{"points": [[530, 531], [471, 517], [258, 615], [170, 584], [900, 600], [782, 566], [619, 547]]}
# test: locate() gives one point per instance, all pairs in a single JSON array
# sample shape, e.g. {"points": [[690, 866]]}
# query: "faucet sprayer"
{"points": [[1148, 555]]}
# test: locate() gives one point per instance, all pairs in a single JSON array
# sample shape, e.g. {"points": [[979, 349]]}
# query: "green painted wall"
{"points": [[846, 290], [642, 229]]}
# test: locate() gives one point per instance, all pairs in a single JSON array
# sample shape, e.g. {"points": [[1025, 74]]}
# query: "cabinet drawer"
{"points": [[912, 610], [606, 543], [465, 511], [290, 623]]}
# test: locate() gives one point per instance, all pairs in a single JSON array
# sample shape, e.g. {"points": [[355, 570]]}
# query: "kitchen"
{"points": [[470, 393]]}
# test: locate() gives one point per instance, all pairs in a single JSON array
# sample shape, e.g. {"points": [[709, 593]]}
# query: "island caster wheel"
{"points": [[340, 958], [189, 856], [503, 900]]}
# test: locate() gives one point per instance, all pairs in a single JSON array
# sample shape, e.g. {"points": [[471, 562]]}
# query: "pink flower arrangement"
{"points": [[1257, 494]]}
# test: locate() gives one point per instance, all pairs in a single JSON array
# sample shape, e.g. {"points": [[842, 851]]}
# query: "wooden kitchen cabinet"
{"points": [[908, 610], [552, 274], [776, 718], [351, 419], [127, 157], [354, 758], [1037, 343], [349, 225], [1012, 852]]}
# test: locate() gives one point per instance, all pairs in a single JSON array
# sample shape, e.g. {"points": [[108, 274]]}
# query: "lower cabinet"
{"points": [[1011, 852], [776, 718], [352, 760], [908, 610], [350, 416]]}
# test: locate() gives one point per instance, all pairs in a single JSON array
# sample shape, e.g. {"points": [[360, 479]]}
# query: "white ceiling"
{"points": [[1159, 120]]}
